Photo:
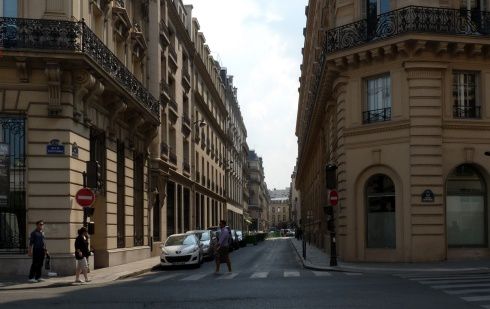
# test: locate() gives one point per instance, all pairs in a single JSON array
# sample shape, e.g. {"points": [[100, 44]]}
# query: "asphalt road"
{"points": [[268, 275]]}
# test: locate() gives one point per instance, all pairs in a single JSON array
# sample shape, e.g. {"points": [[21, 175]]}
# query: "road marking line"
{"points": [[476, 298], [194, 277], [291, 274], [228, 276], [454, 281], [259, 275], [322, 273], [451, 278], [353, 274], [449, 286], [466, 291], [162, 278]]}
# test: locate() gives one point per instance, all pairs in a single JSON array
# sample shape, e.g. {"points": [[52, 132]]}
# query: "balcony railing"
{"points": [[67, 36], [120, 3], [186, 166], [173, 157], [173, 104], [415, 19], [172, 52], [466, 111], [164, 149], [376, 115]]}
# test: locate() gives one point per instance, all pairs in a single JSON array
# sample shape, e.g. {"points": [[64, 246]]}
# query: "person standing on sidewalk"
{"points": [[81, 254], [223, 246], [37, 249]]}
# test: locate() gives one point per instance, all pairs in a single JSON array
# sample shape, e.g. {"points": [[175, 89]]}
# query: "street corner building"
{"points": [[132, 85], [394, 93], [73, 89]]}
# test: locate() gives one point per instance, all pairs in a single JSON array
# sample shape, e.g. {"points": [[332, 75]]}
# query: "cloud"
{"points": [[260, 44]]}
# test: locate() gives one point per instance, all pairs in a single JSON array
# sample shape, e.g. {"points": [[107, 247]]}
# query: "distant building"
{"points": [[294, 201], [258, 203], [280, 208]]}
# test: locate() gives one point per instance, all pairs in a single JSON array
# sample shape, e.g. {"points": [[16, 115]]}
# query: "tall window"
{"points": [[380, 219], [466, 211], [12, 185], [98, 153], [121, 196], [8, 8], [378, 99], [139, 166], [465, 95]]}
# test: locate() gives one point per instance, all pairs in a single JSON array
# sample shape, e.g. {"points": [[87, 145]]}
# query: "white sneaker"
{"points": [[32, 280], [41, 280]]}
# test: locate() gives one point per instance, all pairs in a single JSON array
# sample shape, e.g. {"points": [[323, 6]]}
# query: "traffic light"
{"points": [[94, 175], [331, 176], [91, 228]]}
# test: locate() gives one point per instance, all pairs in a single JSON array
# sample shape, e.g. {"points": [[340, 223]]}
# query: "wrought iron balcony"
{"points": [[172, 52], [120, 3], [173, 105], [466, 111], [376, 115], [74, 37], [164, 149], [172, 156], [410, 19], [186, 166]]}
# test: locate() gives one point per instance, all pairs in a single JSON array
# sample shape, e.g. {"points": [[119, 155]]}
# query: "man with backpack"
{"points": [[223, 247]]}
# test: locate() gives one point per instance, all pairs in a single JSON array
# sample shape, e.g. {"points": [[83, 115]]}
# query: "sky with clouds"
{"points": [[259, 42]]}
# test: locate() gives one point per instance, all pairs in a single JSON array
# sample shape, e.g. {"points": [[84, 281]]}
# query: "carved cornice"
{"points": [[377, 128]]}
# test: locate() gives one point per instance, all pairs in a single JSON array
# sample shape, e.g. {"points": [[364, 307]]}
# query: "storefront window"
{"points": [[465, 208], [381, 222]]}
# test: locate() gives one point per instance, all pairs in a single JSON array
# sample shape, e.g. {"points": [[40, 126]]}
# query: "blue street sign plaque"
{"points": [[55, 148]]}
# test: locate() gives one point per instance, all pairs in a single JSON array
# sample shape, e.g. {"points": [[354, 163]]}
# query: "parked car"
{"points": [[290, 233], [217, 230], [241, 239], [207, 241], [181, 249], [235, 242]]}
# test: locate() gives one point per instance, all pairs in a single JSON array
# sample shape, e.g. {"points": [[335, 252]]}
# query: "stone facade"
{"points": [[259, 200], [400, 109], [280, 208], [130, 84]]}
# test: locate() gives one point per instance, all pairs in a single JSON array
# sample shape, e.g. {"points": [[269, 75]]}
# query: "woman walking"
{"points": [[81, 254]]}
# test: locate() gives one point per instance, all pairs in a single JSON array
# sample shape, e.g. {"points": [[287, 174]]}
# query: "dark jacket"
{"points": [[81, 244]]}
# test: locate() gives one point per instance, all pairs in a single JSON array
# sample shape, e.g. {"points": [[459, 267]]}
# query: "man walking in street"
{"points": [[223, 247], [37, 249]]}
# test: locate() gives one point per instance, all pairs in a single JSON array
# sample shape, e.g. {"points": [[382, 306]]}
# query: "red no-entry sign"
{"points": [[85, 197], [333, 197]]}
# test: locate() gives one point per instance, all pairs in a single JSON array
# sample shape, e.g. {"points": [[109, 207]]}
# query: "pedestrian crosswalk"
{"points": [[470, 287], [182, 276]]}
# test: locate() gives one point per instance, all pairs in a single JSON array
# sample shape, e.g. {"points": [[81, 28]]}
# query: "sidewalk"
{"points": [[317, 259], [102, 275]]}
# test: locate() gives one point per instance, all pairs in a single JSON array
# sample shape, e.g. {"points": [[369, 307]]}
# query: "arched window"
{"points": [[466, 208], [380, 212]]}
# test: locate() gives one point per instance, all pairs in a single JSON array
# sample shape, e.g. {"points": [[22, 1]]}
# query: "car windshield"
{"points": [[205, 236], [179, 240]]}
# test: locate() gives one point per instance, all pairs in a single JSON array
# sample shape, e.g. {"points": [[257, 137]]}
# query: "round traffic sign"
{"points": [[85, 197], [333, 197]]}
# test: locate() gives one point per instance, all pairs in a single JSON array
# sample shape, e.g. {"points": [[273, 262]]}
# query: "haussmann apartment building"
{"points": [[130, 84], [395, 94]]}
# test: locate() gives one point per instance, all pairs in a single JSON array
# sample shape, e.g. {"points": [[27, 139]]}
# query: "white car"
{"points": [[181, 249]]}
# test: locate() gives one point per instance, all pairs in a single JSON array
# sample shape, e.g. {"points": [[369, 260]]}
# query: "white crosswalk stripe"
{"points": [[470, 287], [288, 274], [194, 277], [322, 273], [259, 275], [162, 278], [228, 276]]}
